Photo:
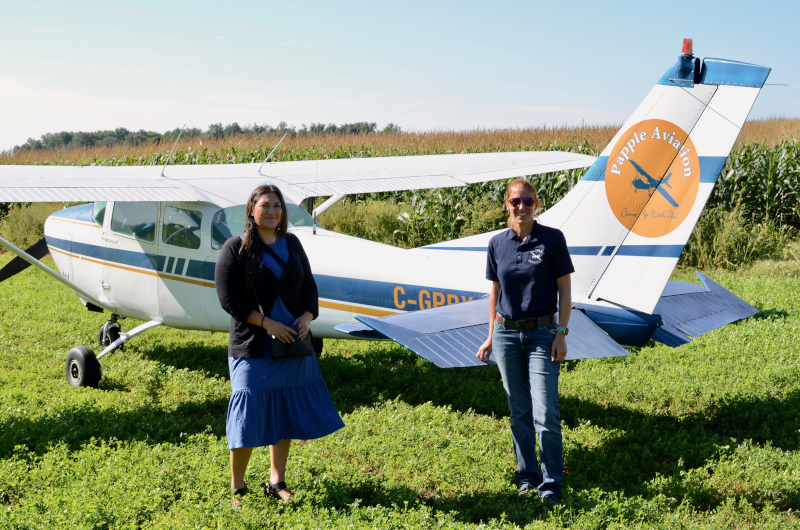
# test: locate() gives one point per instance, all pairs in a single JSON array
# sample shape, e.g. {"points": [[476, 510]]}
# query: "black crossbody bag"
{"points": [[278, 349]]}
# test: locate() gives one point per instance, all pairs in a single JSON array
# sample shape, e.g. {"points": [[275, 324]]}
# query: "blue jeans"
{"points": [[530, 380]]}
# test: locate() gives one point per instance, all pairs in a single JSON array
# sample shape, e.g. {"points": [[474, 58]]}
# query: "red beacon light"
{"points": [[687, 47]]}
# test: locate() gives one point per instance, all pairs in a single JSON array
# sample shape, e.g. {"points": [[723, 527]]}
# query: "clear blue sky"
{"points": [[423, 65]]}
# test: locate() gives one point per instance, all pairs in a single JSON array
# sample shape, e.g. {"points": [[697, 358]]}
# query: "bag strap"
{"points": [[274, 255]]}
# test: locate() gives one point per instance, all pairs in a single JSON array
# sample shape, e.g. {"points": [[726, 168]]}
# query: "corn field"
{"points": [[760, 180]]}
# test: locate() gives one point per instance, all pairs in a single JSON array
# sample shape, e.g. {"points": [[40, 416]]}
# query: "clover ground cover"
{"points": [[703, 436]]}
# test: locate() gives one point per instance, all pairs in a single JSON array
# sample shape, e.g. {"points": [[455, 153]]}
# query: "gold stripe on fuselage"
{"points": [[131, 269], [357, 309], [73, 221], [327, 304]]}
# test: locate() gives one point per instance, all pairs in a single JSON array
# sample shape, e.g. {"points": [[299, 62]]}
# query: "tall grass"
{"points": [[24, 224], [727, 240]]}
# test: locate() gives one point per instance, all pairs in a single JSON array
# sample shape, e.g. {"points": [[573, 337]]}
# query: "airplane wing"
{"points": [[230, 184], [449, 336]]}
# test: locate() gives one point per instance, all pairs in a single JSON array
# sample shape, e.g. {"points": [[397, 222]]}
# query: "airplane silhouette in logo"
{"points": [[652, 184]]}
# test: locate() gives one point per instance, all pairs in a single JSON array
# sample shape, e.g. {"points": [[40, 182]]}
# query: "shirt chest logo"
{"points": [[536, 255]]}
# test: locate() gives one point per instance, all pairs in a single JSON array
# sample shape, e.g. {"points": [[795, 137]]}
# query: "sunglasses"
{"points": [[516, 201]]}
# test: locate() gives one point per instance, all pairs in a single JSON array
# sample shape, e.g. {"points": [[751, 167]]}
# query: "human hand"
{"points": [[559, 351], [303, 324], [485, 351], [279, 331]]}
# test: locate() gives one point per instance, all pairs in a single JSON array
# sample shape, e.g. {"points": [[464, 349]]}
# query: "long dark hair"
{"points": [[250, 226]]}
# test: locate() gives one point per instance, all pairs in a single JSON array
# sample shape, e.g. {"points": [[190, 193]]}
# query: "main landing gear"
{"points": [[83, 366]]}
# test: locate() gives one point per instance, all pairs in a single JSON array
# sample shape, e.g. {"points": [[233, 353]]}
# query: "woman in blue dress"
{"points": [[273, 401]]}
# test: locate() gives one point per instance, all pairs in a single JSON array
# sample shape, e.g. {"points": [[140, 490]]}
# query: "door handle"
{"points": [[109, 239], [105, 285]]}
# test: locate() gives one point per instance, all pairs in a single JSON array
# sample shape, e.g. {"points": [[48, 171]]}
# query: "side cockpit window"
{"points": [[135, 219], [181, 227], [226, 224], [99, 213]]}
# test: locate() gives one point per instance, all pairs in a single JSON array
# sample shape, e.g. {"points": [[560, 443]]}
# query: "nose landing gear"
{"points": [[109, 332], [83, 366]]}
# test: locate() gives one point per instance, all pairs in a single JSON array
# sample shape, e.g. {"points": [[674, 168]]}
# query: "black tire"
{"points": [[82, 367], [318, 345]]}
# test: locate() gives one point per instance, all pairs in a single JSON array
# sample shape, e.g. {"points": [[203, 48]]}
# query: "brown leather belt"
{"points": [[526, 323]]}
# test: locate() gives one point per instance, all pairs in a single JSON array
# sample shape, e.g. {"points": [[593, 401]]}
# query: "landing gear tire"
{"points": [[318, 345], [109, 332], [82, 368]]}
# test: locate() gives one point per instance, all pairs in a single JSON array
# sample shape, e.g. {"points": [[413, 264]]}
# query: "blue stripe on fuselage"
{"points": [[659, 251], [391, 295], [202, 270], [710, 167], [364, 292]]}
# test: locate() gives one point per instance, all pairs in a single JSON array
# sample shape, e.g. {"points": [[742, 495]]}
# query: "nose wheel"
{"points": [[83, 369]]}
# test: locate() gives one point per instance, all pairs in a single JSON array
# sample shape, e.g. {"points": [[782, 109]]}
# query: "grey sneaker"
{"points": [[525, 489]]}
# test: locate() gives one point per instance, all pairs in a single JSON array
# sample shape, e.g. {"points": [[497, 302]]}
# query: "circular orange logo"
{"points": [[652, 177]]}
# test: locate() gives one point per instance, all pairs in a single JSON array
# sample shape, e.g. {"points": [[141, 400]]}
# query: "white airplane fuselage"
{"points": [[154, 280]]}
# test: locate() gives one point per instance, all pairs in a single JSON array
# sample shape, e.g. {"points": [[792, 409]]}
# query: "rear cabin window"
{"points": [[181, 227], [135, 219], [99, 212], [226, 224]]}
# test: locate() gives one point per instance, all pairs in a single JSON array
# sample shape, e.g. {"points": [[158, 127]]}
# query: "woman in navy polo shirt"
{"points": [[529, 267]]}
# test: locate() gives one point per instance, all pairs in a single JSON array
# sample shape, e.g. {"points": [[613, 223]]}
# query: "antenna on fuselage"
{"points": [[270, 156], [173, 149], [314, 213]]}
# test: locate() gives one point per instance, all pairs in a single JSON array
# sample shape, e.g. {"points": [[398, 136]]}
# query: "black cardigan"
{"points": [[298, 291]]}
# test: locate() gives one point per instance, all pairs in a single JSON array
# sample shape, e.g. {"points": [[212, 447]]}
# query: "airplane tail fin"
{"points": [[628, 220]]}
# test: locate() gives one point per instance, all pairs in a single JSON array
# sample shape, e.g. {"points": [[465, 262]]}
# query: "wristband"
{"points": [[262, 321]]}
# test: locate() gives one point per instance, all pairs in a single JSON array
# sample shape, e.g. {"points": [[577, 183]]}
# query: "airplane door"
{"points": [[225, 224], [129, 273], [184, 275]]}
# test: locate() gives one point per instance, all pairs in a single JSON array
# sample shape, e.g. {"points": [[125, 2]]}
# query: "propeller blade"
{"points": [[38, 250]]}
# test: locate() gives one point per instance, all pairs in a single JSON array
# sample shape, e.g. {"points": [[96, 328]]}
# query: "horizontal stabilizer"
{"points": [[450, 336], [693, 311], [357, 330]]}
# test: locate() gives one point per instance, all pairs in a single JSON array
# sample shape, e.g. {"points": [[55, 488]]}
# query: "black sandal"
{"points": [[238, 494], [276, 489]]}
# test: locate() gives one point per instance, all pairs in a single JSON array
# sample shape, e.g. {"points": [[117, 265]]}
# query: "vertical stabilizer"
{"points": [[628, 220]]}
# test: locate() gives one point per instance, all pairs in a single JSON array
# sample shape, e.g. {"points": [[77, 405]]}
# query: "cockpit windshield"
{"points": [[230, 222]]}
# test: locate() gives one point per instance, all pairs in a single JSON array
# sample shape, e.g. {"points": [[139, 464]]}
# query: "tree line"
{"points": [[122, 136]]}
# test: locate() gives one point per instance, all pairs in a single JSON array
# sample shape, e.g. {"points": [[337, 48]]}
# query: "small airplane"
{"points": [[652, 184], [146, 245]]}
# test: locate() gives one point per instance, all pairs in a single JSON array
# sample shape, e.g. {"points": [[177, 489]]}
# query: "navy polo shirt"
{"points": [[527, 271]]}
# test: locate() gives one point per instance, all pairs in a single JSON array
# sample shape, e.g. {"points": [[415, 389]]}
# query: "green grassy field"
{"points": [[703, 436]]}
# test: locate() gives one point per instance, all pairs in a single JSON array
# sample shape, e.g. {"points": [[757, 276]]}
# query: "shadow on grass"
{"points": [[466, 508], [770, 314], [77, 425]]}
